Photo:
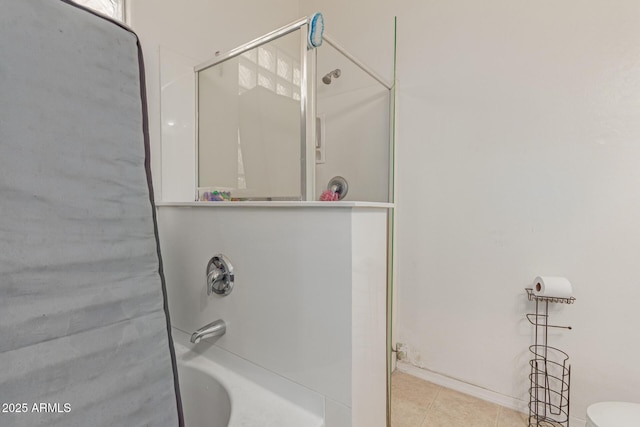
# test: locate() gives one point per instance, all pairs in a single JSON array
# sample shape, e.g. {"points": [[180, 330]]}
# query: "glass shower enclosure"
{"points": [[278, 119]]}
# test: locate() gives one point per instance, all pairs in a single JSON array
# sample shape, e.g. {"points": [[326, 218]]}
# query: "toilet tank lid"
{"points": [[614, 414]]}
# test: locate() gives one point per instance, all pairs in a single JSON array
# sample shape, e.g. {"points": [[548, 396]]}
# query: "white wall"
{"points": [[518, 152], [186, 34]]}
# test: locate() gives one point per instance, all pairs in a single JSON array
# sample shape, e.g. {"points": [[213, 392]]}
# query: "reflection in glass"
{"points": [[249, 123], [353, 110]]}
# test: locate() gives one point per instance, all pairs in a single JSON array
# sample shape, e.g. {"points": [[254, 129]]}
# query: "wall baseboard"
{"points": [[472, 390]]}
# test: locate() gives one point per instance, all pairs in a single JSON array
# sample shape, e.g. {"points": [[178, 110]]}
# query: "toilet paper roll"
{"points": [[550, 286]]}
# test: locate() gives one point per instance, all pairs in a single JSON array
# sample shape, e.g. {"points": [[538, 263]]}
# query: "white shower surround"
{"points": [[309, 303]]}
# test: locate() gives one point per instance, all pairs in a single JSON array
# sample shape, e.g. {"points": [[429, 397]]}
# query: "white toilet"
{"points": [[613, 414]]}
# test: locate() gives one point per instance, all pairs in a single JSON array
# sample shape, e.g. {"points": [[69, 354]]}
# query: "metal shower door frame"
{"points": [[307, 99]]}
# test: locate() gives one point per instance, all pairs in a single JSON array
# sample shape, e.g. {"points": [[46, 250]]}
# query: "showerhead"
{"points": [[327, 78]]}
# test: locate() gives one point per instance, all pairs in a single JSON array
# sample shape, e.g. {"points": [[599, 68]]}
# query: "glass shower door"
{"points": [[249, 126], [353, 126]]}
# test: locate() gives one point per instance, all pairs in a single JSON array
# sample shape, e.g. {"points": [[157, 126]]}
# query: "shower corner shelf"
{"points": [[550, 372]]}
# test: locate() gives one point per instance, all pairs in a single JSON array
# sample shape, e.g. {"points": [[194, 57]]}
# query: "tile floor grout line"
{"points": [[434, 398], [423, 420], [422, 423]]}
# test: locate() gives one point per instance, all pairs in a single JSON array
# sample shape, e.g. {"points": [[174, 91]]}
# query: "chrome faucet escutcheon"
{"points": [[220, 275]]}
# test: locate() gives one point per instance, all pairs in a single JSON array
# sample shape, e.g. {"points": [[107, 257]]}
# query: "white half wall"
{"points": [[369, 320], [286, 313], [309, 302], [518, 151]]}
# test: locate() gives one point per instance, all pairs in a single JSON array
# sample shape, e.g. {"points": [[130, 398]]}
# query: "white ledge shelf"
{"points": [[279, 204]]}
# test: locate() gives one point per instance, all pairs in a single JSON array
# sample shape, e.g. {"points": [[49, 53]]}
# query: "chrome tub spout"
{"points": [[213, 329]]}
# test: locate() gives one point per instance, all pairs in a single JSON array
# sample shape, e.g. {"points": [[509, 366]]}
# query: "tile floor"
{"points": [[418, 403]]}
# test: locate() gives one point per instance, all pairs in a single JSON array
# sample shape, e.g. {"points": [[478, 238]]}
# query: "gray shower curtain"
{"points": [[85, 336]]}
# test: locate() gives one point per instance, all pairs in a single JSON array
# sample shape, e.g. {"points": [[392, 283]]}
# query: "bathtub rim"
{"points": [[208, 357]]}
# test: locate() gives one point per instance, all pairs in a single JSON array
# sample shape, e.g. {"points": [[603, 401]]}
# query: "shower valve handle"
{"points": [[220, 276]]}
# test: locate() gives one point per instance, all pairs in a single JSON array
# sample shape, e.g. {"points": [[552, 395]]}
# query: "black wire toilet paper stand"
{"points": [[550, 373]]}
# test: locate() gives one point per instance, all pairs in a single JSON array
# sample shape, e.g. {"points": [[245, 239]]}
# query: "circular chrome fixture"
{"points": [[220, 277], [338, 185]]}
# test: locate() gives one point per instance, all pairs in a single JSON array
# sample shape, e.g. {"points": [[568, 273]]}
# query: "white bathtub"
{"points": [[205, 401], [220, 389]]}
